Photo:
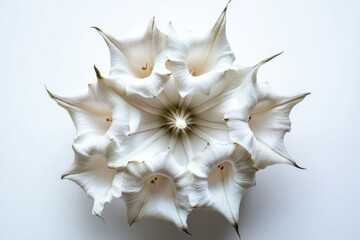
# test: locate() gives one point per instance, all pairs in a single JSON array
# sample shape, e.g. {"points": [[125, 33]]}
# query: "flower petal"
{"points": [[91, 118], [136, 147], [197, 63], [139, 126], [126, 117], [221, 174], [157, 189], [260, 122], [137, 63], [92, 174], [225, 93], [92, 121]]}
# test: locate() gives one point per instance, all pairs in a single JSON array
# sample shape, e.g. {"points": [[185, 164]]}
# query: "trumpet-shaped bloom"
{"points": [[199, 62], [92, 174], [221, 175], [92, 120], [261, 121], [137, 62], [157, 188]]}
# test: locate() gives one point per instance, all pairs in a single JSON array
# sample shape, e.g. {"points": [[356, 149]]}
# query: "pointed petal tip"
{"points": [[236, 228], [132, 222], [297, 166], [301, 96], [152, 23], [268, 59], [99, 215], [65, 175], [308, 93], [222, 17], [51, 95], [186, 231], [227, 5], [257, 66], [96, 28], [98, 74], [170, 28]]}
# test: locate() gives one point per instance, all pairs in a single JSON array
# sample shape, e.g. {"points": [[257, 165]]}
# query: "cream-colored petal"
{"points": [[140, 135], [188, 84], [125, 117], [225, 93], [92, 174], [137, 63], [137, 147], [261, 120], [157, 188], [221, 174], [91, 118], [198, 63]]}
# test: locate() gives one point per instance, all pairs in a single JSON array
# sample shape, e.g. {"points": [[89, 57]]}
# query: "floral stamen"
{"points": [[145, 67], [153, 181], [178, 119]]}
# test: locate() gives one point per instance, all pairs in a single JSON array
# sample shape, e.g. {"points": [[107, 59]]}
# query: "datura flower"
{"points": [[198, 62], [157, 188], [90, 170], [260, 122], [176, 126], [221, 174], [137, 63]]}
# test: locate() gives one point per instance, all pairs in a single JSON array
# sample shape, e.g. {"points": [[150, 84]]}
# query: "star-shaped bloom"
{"points": [[157, 188], [221, 175], [197, 62], [261, 119], [93, 122], [137, 62], [176, 125]]}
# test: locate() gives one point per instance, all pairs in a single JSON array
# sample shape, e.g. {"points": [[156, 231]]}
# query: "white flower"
{"points": [[260, 122], [137, 62], [92, 120], [221, 174], [197, 62], [176, 125], [93, 175], [157, 188]]}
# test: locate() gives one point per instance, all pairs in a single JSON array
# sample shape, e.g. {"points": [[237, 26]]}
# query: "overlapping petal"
{"points": [[199, 62], [261, 120], [157, 188], [137, 63], [91, 118], [89, 170], [176, 125], [140, 130], [92, 174], [221, 173]]}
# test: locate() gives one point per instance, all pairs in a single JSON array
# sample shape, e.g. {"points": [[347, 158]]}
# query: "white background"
{"points": [[51, 42]]}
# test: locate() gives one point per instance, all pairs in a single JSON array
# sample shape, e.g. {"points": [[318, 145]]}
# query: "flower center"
{"points": [[180, 123], [178, 119]]}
